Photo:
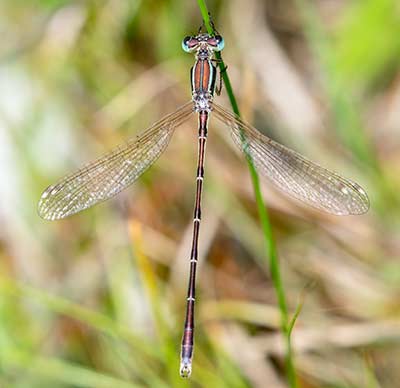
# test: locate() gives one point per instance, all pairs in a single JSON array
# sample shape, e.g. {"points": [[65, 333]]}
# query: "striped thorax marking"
{"points": [[203, 76]]}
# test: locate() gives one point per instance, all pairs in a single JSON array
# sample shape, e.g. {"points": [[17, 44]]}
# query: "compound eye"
{"points": [[220, 42], [185, 44]]}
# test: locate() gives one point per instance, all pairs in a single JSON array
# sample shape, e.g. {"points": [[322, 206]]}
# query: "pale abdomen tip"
{"points": [[186, 368]]}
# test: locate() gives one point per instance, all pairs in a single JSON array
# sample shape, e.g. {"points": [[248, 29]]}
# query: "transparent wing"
{"points": [[293, 173], [111, 173]]}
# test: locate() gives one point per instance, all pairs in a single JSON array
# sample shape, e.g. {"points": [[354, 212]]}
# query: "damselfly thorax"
{"points": [[203, 73], [286, 169]]}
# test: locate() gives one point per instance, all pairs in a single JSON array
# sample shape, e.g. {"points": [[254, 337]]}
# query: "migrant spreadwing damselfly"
{"points": [[288, 170]]}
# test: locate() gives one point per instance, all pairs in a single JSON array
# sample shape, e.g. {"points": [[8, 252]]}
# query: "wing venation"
{"points": [[293, 173], [112, 173]]}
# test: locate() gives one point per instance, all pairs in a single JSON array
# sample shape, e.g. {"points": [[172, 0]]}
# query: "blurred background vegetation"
{"points": [[98, 300]]}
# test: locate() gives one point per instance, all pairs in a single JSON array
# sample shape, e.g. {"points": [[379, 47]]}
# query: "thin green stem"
{"points": [[263, 214]]}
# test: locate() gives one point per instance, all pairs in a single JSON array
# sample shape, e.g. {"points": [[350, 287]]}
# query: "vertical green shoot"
{"points": [[271, 252]]}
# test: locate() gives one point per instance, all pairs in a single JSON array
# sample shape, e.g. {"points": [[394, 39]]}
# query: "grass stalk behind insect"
{"points": [[270, 246]]}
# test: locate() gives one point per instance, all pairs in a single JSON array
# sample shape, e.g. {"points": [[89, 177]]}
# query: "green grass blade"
{"points": [[272, 255], [91, 318], [59, 370]]}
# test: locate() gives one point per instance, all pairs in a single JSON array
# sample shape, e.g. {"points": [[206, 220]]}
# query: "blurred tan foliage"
{"points": [[98, 300]]}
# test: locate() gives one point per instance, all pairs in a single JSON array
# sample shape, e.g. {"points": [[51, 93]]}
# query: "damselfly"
{"points": [[289, 171]]}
